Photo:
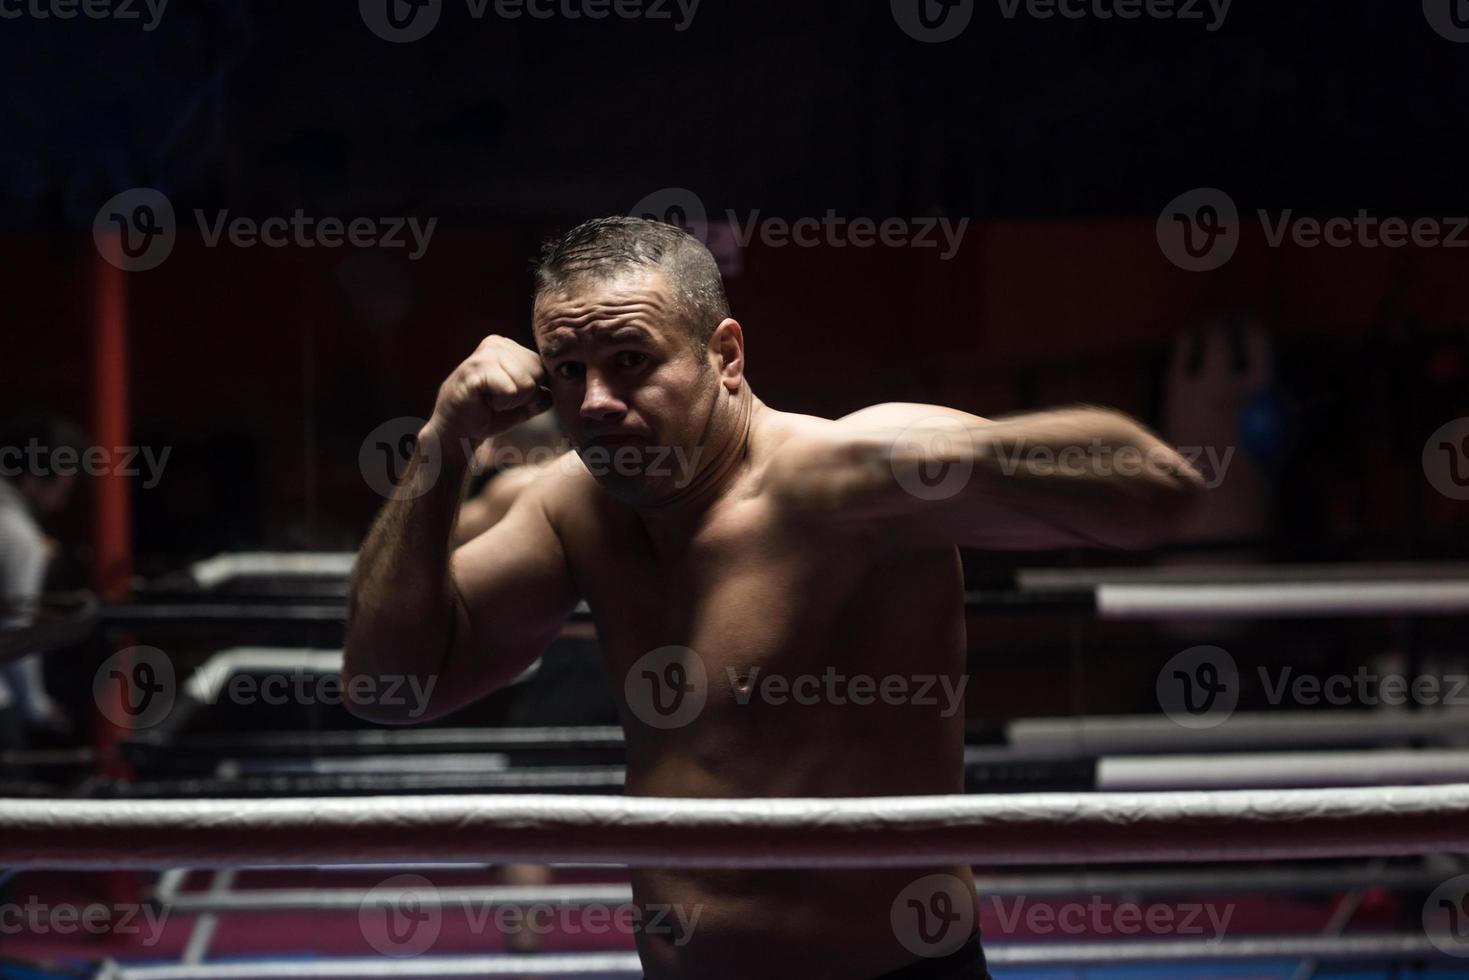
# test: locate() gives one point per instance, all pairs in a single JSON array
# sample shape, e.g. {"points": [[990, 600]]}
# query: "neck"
{"points": [[723, 459]]}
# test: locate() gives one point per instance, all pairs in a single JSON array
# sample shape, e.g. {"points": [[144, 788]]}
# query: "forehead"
{"points": [[588, 307]]}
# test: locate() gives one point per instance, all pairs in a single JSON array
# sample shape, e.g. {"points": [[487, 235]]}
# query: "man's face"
{"points": [[628, 388]]}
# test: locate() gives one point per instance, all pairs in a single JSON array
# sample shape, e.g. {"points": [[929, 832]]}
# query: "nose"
{"points": [[598, 401]]}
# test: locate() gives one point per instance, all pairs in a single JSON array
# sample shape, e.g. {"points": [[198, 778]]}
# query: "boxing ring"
{"points": [[1225, 805], [660, 832]]}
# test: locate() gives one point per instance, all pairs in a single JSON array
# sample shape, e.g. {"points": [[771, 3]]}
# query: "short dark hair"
{"points": [[46, 431], [603, 247]]}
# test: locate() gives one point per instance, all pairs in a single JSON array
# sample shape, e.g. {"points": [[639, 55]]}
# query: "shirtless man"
{"points": [[760, 545]]}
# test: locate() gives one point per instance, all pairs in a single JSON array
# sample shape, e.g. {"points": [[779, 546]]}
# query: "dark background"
{"points": [[265, 369]]}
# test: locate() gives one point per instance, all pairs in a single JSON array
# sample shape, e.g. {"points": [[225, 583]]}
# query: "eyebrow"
{"points": [[554, 347]]}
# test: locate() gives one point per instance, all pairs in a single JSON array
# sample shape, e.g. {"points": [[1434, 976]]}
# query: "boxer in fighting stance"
{"points": [[766, 544]]}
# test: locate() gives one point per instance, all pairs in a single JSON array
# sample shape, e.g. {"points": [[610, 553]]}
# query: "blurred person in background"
{"points": [[36, 482]]}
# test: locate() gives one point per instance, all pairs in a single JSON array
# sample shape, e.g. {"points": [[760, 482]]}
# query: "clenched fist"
{"points": [[501, 385]]}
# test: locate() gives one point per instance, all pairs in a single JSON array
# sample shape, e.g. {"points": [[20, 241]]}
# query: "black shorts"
{"points": [[966, 963]]}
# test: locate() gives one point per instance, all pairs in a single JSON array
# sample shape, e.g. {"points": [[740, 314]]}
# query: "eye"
{"points": [[569, 370], [631, 359]]}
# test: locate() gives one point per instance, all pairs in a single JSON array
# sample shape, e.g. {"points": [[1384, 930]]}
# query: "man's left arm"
{"points": [[934, 476]]}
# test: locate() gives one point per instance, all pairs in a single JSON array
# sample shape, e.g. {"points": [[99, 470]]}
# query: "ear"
{"points": [[727, 351]]}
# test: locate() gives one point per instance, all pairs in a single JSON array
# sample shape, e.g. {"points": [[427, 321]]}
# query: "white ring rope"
{"points": [[1282, 599], [603, 966], [1048, 828]]}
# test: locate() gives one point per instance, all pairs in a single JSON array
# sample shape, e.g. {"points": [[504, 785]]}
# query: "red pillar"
{"points": [[112, 522], [111, 425]]}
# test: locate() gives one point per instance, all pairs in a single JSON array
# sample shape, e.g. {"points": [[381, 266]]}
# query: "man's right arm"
{"points": [[457, 625]]}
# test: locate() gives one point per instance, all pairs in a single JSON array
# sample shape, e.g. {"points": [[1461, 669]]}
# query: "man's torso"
{"points": [[832, 666]]}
